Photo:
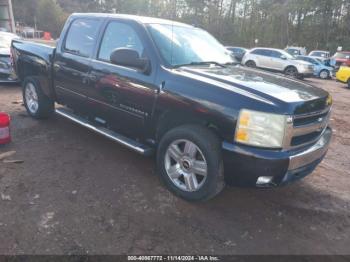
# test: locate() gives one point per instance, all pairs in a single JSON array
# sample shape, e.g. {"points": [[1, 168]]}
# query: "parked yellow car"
{"points": [[343, 75]]}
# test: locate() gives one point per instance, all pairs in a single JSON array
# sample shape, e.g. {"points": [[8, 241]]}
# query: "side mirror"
{"points": [[283, 57], [129, 58]]}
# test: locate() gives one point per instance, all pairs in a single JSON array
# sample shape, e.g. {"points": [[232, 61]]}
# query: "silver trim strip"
{"points": [[127, 142], [310, 128], [295, 131], [312, 154], [328, 109]]}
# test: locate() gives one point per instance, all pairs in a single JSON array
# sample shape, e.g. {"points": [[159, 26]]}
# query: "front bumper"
{"points": [[245, 165]]}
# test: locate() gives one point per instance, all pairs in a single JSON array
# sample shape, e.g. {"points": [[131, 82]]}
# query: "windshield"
{"points": [[286, 54], [293, 51], [181, 45], [6, 39], [318, 53]]}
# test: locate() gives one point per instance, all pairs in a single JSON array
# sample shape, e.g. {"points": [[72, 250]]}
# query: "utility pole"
{"points": [[6, 16]]}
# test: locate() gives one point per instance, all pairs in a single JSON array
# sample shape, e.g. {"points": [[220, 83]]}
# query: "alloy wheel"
{"points": [[292, 72], [31, 98], [186, 165], [324, 74]]}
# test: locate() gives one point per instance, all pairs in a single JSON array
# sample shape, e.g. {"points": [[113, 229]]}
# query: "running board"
{"points": [[127, 142]]}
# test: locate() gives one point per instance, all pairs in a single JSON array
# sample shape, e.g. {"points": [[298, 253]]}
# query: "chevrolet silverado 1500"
{"points": [[163, 87]]}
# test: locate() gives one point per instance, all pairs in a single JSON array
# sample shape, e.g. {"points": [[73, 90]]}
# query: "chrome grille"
{"points": [[306, 129]]}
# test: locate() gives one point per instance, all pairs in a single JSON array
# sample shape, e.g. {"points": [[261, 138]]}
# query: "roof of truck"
{"points": [[139, 19]]}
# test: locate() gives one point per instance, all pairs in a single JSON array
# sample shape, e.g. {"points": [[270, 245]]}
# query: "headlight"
{"points": [[260, 129]]}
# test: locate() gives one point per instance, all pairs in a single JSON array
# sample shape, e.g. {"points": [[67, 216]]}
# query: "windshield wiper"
{"points": [[201, 63]]}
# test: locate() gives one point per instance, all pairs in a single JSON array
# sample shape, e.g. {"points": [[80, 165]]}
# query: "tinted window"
{"points": [[319, 54], [275, 54], [293, 51], [119, 35], [82, 36], [238, 50], [261, 52]]}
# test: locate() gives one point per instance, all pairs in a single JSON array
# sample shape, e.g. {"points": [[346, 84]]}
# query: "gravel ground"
{"points": [[78, 193]]}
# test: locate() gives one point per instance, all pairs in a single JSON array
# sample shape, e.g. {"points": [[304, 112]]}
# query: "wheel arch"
{"points": [[172, 119], [41, 72], [290, 66]]}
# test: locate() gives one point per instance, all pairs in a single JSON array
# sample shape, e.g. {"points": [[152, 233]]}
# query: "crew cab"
{"points": [[170, 89]]}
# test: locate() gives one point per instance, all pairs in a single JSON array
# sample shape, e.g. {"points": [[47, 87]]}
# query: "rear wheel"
{"points": [[324, 74], [250, 64], [38, 105], [190, 164], [291, 71]]}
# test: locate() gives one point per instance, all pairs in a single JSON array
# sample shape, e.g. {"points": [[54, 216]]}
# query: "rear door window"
{"points": [[262, 52], [82, 36], [275, 54]]}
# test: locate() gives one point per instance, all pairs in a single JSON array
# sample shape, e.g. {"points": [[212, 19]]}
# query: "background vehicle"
{"points": [[321, 70], [295, 51], [237, 52], [341, 58], [321, 54], [343, 75], [278, 60], [7, 73], [181, 97]]}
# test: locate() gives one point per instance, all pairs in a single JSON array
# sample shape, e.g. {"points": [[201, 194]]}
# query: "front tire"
{"points": [[292, 72], [251, 64], [349, 83], [189, 162], [324, 74], [38, 105]]}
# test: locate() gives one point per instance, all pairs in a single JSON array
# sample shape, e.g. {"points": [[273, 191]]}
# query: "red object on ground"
{"points": [[5, 136], [47, 36]]}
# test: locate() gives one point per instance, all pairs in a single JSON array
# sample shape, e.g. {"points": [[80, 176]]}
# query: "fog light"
{"points": [[264, 180]]}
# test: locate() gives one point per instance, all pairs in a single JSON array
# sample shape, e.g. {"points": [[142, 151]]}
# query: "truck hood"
{"points": [[272, 88]]}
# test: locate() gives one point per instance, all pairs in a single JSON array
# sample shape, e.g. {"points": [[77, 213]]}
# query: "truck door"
{"points": [[72, 62], [121, 96]]}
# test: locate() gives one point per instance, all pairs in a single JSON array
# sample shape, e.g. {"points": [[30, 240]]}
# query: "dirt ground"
{"points": [[78, 193]]}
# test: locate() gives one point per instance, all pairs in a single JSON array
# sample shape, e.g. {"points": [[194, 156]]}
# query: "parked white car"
{"points": [[278, 60], [7, 73]]}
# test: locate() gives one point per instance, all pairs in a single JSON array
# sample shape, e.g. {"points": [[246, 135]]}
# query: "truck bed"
{"points": [[34, 59]]}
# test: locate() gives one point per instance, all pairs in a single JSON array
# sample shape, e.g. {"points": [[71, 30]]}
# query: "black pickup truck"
{"points": [[163, 87]]}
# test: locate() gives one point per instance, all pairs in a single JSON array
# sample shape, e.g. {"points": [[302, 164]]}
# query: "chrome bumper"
{"points": [[312, 154]]}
